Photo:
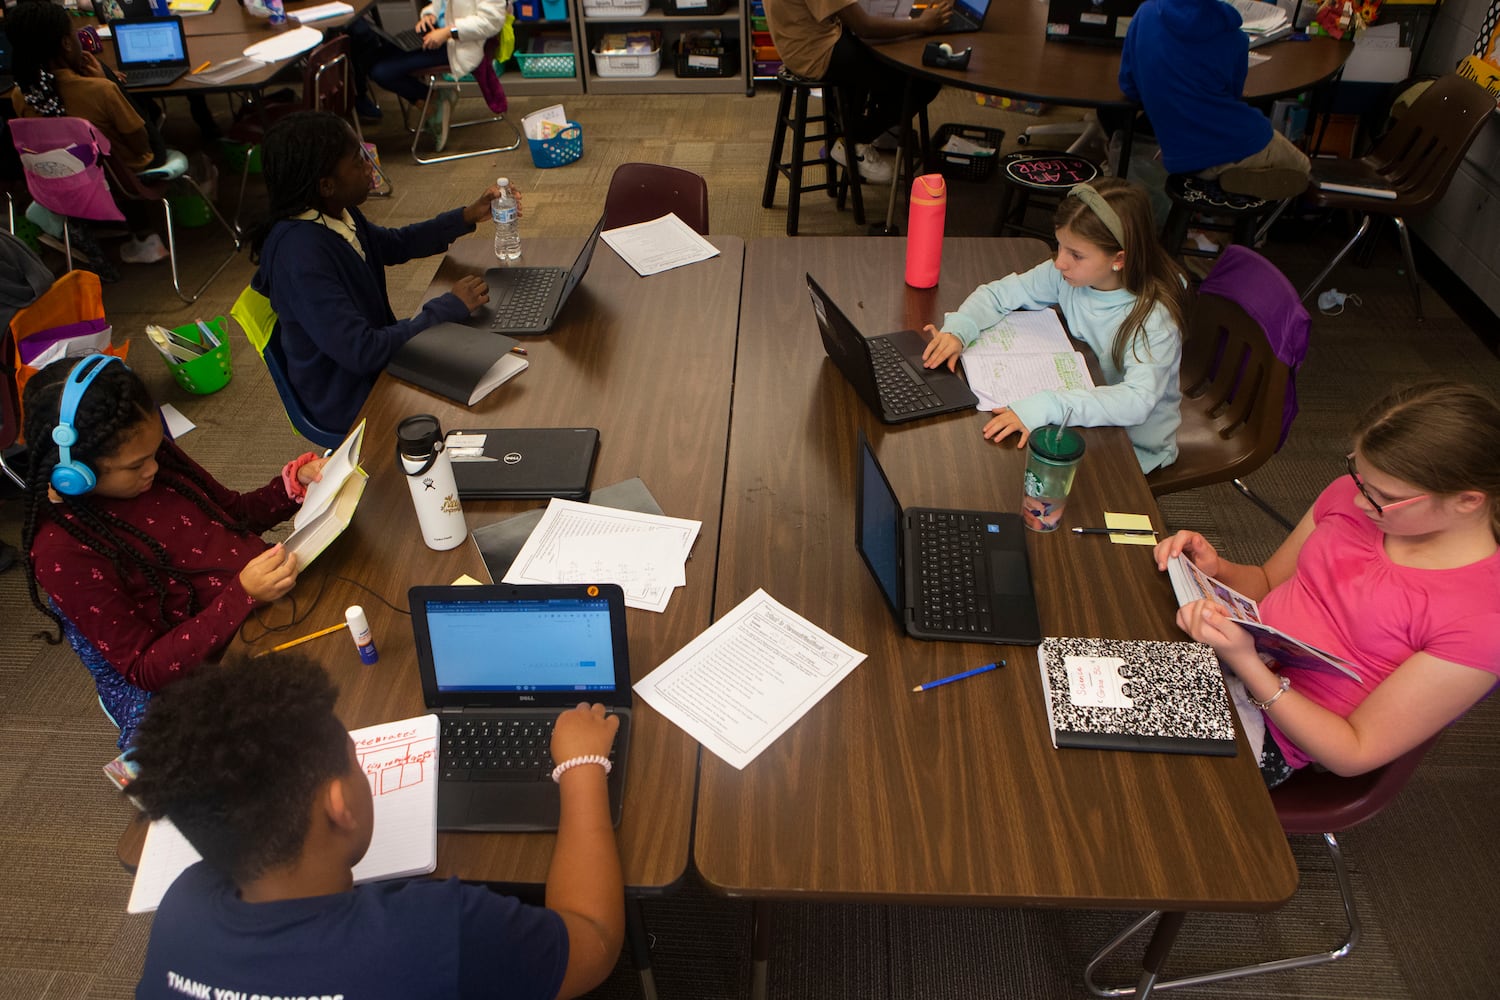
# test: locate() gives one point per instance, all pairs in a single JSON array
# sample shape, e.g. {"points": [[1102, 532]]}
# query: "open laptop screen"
{"points": [[522, 645], [878, 525], [975, 9], [153, 41]]}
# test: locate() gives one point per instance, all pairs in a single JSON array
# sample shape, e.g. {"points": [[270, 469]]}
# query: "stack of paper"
{"points": [[1026, 352], [545, 123], [659, 245], [285, 45], [323, 11], [583, 543], [1258, 17]]}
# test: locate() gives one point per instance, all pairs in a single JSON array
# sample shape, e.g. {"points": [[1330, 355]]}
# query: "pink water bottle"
{"points": [[924, 230]]}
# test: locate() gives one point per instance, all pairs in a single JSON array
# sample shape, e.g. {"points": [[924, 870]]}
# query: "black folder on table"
{"points": [[1126, 694], [523, 463], [457, 362]]}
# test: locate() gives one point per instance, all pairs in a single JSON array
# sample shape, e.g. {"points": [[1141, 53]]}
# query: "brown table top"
{"points": [[1013, 58], [648, 361], [231, 18], [954, 795]]}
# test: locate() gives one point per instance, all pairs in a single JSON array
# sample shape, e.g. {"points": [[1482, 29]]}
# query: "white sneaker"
{"points": [[441, 120], [146, 251], [889, 140], [873, 167]]}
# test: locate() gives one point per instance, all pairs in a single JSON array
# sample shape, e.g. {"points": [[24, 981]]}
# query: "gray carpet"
{"points": [[1423, 871]]}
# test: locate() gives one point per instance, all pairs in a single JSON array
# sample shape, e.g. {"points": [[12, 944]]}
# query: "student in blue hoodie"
{"points": [[322, 264], [1185, 62]]}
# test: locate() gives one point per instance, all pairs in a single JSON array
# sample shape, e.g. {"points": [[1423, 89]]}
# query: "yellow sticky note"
{"points": [[1137, 521], [468, 581]]}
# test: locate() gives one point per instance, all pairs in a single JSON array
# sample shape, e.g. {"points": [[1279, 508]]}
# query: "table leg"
{"points": [[760, 949], [1156, 952], [907, 110], [1125, 143], [640, 946]]}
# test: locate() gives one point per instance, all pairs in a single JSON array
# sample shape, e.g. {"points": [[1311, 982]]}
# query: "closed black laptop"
{"points": [[529, 299], [150, 52], [1099, 22], [526, 463], [887, 370], [961, 575], [498, 664]]}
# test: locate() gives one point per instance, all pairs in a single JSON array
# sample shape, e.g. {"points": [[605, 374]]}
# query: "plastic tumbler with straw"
{"points": [[1052, 457]]}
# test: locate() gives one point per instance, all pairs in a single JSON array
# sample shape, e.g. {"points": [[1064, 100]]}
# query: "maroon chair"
{"points": [[10, 407], [640, 192], [1310, 802]]}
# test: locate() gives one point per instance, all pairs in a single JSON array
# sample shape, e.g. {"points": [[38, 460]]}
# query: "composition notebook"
{"points": [[401, 761], [1126, 694]]}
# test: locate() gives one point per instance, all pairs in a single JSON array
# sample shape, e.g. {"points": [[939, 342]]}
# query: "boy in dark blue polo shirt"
{"points": [[256, 771]]}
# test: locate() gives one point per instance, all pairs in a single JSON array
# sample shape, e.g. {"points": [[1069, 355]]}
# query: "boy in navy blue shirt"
{"points": [[256, 771], [1185, 62]]}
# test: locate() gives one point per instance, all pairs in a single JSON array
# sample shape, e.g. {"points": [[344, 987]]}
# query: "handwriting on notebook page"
{"points": [[397, 760]]}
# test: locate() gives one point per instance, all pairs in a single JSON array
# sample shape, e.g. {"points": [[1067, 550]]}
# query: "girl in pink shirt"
{"points": [[1395, 569], [152, 567]]}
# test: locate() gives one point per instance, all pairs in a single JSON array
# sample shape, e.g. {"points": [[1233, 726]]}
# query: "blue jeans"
{"points": [[392, 68]]}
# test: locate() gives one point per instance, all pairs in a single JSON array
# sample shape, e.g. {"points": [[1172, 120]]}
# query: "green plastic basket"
{"points": [[235, 153], [210, 372], [545, 64]]}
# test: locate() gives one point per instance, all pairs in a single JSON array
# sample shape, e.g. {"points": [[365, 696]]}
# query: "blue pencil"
{"points": [[958, 677]]}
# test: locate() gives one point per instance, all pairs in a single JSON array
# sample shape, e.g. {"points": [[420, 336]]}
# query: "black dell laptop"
{"points": [[887, 370], [150, 52], [1098, 22], [529, 299], [961, 575], [523, 463], [498, 664]]}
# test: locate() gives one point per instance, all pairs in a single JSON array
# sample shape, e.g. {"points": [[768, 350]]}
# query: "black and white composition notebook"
{"points": [[1126, 694]]}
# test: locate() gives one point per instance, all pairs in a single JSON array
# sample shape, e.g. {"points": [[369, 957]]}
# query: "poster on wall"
{"points": [[1483, 67]]}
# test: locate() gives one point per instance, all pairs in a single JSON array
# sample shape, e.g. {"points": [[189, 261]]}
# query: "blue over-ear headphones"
{"points": [[69, 477]]}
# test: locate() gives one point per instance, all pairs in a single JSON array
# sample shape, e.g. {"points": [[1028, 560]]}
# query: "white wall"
{"points": [[1464, 228]]}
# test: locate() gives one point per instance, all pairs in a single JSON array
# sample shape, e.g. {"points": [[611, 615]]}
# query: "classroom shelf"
{"points": [[733, 24]]}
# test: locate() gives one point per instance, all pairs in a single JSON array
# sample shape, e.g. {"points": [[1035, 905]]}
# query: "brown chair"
{"points": [[1416, 159], [1233, 396], [1310, 802], [640, 192]]}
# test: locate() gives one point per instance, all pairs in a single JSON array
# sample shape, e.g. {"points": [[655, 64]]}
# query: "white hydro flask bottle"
{"points": [[429, 475]]}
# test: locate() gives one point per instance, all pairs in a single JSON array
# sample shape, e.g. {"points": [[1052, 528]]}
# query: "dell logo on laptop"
{"points": [[526, 697], [512, 458]]}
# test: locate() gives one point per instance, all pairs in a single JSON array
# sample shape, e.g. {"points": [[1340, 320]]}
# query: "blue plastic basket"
{"points": [[561, 149]]}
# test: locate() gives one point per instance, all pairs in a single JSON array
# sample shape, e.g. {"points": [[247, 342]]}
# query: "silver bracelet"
{"points": [[593, 758], [1265, 706]]}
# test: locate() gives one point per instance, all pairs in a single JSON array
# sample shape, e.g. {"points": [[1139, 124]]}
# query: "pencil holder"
{"points": [[209, 372]]}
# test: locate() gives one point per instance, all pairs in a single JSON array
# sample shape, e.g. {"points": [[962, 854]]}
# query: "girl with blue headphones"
{"points": [[149, 563]]}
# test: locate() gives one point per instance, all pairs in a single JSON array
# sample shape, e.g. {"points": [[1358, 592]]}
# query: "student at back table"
{"points": [[322, 265], [254, 768]]}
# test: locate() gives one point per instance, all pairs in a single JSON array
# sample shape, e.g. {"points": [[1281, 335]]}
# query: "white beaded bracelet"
{"points": [[572, 762], [1286, 685]]}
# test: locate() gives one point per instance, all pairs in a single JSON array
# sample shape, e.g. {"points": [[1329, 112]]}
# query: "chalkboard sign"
{"points": [[1048, 171]]}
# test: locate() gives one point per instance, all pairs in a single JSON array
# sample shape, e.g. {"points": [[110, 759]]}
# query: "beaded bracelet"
{"points": [[572, 762], [1264, 706]]}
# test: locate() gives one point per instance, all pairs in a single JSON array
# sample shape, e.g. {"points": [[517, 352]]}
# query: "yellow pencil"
{"points": [[206, 63], [301, 639]]}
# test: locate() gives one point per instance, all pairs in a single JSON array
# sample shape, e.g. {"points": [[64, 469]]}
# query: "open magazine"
{"points": [[1190, 583]]}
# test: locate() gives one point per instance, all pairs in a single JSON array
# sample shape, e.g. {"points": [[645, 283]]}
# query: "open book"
{"points": [[1190, 583], [1027, 352], [329, 505], [401, 761]]}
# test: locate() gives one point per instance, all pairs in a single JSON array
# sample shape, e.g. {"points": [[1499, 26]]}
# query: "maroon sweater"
{"points": [[121, 616]]}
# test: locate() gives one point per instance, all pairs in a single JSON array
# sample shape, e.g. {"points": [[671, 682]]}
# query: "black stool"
{"points": [[1193, 198], [833, 128], [1047, 174]]}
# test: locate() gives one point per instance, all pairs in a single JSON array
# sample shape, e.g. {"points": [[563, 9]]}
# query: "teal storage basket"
{"points": [[561, 149]]}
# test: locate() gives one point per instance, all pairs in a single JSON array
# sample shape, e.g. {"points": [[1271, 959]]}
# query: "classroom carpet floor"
{"points": [[1423, 871]]}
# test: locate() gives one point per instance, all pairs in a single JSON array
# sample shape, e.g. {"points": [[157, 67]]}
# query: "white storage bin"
{"points": [[628, 63], [616, 8]]}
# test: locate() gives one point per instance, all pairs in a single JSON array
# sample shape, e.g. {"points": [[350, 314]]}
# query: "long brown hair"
{"points": [[1442, 437], [1150, 274]]}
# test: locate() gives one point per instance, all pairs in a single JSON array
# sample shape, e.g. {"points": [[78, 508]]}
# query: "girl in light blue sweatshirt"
{"points": [[1120, 293]]}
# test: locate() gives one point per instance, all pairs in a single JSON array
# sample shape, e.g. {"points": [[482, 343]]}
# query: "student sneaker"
{"points": [[146, 251], [441, 120], [1270, 183], [873, 168]]}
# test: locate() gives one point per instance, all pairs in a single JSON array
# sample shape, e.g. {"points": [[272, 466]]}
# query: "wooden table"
{"points": [[954, 795], [648, 361]]}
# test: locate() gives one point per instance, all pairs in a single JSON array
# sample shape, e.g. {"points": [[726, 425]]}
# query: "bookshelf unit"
{"points": [[731, 23]]}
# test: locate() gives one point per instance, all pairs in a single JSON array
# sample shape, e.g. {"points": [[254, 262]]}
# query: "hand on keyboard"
{"points": [[471, 291], [583, 731], [1004, 424], [943, 347]]}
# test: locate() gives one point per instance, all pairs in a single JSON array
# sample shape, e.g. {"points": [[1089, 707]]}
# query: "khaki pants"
{"points": [[1279, 154]]}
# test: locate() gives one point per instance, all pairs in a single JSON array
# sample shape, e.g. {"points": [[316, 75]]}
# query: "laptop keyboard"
{"points": [[151, 77], [497, 749], [525, 298], [902, 390], [950, 562]]}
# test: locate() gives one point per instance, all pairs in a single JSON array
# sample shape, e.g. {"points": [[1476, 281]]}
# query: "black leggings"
{"points": [[872, 88], [1273, 766]]}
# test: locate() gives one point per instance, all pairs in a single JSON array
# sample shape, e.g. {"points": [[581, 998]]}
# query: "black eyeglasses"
{"points": [[1380, 508]]}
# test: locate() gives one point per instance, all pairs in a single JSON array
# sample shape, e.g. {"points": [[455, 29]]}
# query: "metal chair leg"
{"points": [[1411, 264], [1351, 940], [1364, 227], [229, 228], [11, 474], [418, 132], [760, 949]]}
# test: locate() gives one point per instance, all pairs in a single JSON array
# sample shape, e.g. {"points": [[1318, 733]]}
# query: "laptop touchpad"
{"points": [[1008, 574]]}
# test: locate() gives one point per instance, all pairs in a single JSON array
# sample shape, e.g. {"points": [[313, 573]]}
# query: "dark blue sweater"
{"points": [[332, 313], [1185, 63]]}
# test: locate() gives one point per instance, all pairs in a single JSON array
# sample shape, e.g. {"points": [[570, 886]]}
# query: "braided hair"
{"points": [[37, 32], [115, 406], [296, 154]]}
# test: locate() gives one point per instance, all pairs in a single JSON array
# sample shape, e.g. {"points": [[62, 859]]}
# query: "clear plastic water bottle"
{"points": [[506, 214], [277, 9]]}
